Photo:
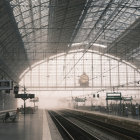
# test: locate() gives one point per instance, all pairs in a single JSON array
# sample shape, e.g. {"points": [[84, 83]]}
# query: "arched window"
{"points": [[63, 71]]}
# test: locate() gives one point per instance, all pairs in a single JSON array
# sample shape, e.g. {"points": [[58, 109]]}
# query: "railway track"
{"points": [[118, 131], [69, 130]]}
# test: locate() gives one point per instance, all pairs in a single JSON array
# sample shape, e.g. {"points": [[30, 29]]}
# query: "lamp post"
{"points": [[24, 99]]}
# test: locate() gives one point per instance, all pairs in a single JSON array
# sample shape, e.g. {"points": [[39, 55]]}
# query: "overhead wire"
{"points": [[90, 44]]}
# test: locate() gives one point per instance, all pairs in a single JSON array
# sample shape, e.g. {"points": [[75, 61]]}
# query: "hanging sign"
{"points": [[6, 84]]}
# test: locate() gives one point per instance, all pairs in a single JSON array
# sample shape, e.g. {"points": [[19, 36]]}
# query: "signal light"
{"points": [[16, 89]]}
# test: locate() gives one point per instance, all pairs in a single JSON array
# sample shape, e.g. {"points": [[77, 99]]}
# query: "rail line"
{"points": [[118, 131], [69, 130]]}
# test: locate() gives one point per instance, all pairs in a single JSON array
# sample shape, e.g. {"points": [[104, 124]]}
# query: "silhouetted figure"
{"points": [[7, 115]]}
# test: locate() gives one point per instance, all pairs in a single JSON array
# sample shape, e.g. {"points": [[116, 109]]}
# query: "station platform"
{"points": [[127, 123], [37, 126]]}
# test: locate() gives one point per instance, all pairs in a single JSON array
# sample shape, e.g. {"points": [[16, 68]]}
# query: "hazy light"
{"points": [[85, 43], [100, 45], [78, 44]]}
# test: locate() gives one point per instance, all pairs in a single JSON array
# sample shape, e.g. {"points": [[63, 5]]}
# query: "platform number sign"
{"points": [[25, 96], [6, 84]]}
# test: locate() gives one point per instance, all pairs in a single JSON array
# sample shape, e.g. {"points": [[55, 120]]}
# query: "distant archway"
{"points": [[60, 71]]}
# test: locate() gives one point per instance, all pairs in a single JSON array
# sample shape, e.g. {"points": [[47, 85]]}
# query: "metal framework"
{"points": [[32, 30], [105, 73]]}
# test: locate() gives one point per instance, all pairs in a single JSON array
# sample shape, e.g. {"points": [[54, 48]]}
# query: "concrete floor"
{"points": [[28, 128]]}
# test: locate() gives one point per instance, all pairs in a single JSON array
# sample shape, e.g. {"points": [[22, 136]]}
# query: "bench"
{"points": [[8, 114]]}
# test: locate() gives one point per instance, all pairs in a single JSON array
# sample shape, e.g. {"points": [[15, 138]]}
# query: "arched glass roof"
{"points": [[106, 20], [32, 19], [106, 73], [49, 27], [99, 21]]}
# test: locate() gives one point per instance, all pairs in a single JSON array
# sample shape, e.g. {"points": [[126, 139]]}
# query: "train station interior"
{"points": [[69, 69]]}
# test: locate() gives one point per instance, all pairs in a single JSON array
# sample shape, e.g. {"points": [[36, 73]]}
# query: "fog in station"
{"points": [[69, 69], [47, 100], [56, 83], [63, 99]]}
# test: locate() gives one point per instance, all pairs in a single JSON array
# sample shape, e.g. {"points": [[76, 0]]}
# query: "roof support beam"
{"points": [[82, 17], [15, 44]]}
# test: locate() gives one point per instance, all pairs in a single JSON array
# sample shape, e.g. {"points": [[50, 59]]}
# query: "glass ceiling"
{"points": [[106, 20], [32, 20], [100, 21]]}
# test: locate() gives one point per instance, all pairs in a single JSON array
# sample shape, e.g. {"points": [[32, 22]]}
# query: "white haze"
{"points": [[47, 100]]}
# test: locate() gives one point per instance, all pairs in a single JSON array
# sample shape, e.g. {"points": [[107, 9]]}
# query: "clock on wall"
{"points": [[84, 80]]}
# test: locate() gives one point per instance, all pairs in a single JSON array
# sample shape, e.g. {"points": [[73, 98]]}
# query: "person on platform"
{"points": [[7, 115]]}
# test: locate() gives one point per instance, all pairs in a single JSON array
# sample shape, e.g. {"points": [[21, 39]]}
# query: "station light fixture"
{"points": [[99, 45]]}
